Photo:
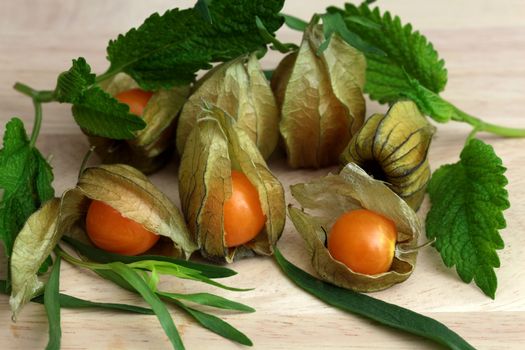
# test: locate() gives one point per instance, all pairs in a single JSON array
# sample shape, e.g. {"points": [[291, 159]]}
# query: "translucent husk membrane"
{"points": [[122, 187], [217, 145], [324, 200], [393, 148], [152, 146], [240, 88], [320, 97]]}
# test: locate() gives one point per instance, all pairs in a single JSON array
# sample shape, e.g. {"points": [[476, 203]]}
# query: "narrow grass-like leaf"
{"points": [[52, 305], [209, 300], [295, 23], [387, 314], [134, 279], [101, 256], [215, 324], [71, 302]]}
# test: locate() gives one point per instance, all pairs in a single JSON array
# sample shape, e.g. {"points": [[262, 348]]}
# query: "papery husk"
{"points": [[320, 98], [152, 146], [130, 192], [41, 232], [240, 88], [217, 145], [326, 199], [394, 149]]}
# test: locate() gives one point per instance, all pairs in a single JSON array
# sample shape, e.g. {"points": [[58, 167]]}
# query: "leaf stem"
{"points": [[107, 74], [480, 125], [37, 123], [42, 96]]}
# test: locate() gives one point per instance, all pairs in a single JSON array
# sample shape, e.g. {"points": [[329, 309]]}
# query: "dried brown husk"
{"points": [[217, 145], [240, 88], [152, 146], [122, 187], [326, 199], [320, 97], [34, 243], [393, 148]]}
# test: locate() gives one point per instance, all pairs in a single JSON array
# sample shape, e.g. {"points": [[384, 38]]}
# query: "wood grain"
{"points": [[483, 43]]}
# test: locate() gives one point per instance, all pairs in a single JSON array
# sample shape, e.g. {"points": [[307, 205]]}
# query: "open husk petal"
{"points": [[216, 146], [132, 194], [35, 242], [393, 148], [240, 88], [324, 200], [321, 99], [152, 146]]}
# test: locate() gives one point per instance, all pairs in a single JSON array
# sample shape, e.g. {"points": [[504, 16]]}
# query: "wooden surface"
{"points": [[483, 43]]}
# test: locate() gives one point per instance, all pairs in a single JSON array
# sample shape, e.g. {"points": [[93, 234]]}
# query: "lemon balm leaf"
{"points": [[468, 199], [25, 178], [168, 49], [94, 110]]}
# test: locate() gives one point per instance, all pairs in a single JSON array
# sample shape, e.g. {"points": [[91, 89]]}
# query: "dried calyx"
{"points": [[320, 97], [240, 88], [393, 148], [216, 146], [324, 200], [152, 146]]}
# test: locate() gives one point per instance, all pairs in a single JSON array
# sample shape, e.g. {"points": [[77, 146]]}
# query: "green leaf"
{"points": [[102, 115], [25, 177], [295, 23], [134, 280], [209, 300], [215, 324], [409, 56], [94, 110], [52, 305], [363, 305], [72, 83], [168, 49], [101, 256], [468, 199], [202, 7], [71, 302]]}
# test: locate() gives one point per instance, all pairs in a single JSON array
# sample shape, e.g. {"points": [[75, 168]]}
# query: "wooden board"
{"points": [[483, 43]]}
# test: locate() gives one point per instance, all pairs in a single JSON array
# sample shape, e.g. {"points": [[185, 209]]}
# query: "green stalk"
{"points": [[37, 124], [480, 125], [42, 96]]}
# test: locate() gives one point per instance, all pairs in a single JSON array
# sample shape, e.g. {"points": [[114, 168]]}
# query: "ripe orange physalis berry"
{"points": [[111, 231], [136, 99], [364, 241], [243, 215]]}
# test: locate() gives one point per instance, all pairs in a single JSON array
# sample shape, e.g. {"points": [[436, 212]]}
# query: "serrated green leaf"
{"points": [[168, 49], [72, 83], [102, 115], [468, 199], [52, 306], [25, 177], [93, 109], [408, 55]]}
